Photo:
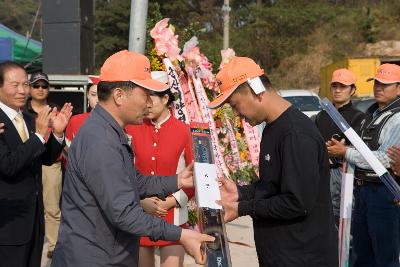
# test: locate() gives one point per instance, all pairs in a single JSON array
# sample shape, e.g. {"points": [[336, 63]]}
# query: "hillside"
{"points": [[291, 39]]}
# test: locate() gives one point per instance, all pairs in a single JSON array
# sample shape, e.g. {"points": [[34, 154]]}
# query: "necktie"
{"points": [[20, 125]]}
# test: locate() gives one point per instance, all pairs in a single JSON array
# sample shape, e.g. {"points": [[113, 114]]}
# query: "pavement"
{"points": [[241, 246]]}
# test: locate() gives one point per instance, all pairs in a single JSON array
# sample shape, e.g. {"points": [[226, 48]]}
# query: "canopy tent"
{"points": [[18, 48]]}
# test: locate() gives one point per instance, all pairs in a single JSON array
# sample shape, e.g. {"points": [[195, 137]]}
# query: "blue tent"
{"points": [[18, 48]]}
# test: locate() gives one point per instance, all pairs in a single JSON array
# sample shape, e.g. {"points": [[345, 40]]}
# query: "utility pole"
{"points": [[137, 26], [225, 11]]}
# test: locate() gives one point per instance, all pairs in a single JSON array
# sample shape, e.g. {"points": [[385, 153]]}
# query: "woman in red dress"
{"points": [[162, 146], [77, 120]]}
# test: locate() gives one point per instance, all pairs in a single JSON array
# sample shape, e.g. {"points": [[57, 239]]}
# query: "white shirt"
{"points": [[12, 113]]}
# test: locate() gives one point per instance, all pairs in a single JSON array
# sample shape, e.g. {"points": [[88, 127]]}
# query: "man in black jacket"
{"points": [[290, 204], [23, 150], [342, 88]]}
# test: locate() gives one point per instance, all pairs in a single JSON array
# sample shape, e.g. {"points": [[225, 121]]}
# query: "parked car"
{"points": [[363, 104], [305, 100]]}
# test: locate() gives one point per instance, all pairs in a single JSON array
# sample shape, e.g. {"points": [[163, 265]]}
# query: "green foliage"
{"points": [[192, 216], [18, 15], [111, 28], [368, 27], [245, 175], [285, 36], [154, 16], [276, 32]]}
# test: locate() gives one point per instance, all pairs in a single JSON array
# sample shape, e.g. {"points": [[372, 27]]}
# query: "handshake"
{"points": [[192, 241]]}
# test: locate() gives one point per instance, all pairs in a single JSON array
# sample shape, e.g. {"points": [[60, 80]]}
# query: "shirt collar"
{"points": [[348, 105], [11, 113], [105, 115], [158, 125], [388, 107]]}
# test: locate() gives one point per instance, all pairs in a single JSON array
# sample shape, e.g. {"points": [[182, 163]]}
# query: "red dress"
{"points": [[74, 124], [157, 152]]}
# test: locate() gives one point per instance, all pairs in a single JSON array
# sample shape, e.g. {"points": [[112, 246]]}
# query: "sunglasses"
{"points": [[37, 86]]}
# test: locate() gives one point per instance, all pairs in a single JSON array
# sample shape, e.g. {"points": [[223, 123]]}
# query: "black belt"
{"points": [[364, 177], [360, 182]]}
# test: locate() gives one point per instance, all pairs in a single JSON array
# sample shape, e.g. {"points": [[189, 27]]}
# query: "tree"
{"points": [[18, 15]]}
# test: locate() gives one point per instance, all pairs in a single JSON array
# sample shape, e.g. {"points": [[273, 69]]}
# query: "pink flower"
{"points": [[191, 53], [190, 47], [205, 63], [159, 29], [226, 56], [204, 73], [166, 41]]}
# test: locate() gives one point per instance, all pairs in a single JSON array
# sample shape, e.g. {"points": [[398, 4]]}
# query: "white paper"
{"points": [[206, 185], [256, 84]]}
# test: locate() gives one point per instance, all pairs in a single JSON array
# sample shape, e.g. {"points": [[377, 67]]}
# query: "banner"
{"points": [[253, 141], [234, 145], [179, 103], [208, 118], [346, 207], [190, 100]]}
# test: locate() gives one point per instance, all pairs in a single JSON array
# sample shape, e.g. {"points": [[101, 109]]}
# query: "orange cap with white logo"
{"points": [[343, 76], [387, 74], [126, 66], [233, 74]]}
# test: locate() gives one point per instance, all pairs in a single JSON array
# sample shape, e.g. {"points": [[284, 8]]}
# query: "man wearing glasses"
{"points": [[51, 175]]}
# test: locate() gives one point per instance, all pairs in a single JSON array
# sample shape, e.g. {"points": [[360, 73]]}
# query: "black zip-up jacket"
{"points": [[328, 128]]}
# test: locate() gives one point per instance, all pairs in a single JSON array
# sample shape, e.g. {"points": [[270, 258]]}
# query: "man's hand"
{"points": [[42, 121], [228, 190], [230, 210], [1, 128], [336, 148], [191, 242], [394, 155], [168, 204], [59, 120], [185, 177], [151, 206]]}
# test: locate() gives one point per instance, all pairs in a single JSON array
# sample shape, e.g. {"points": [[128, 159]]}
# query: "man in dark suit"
{"points": [[23, 150]]}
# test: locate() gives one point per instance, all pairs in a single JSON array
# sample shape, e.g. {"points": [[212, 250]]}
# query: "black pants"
{"points": [[27, 255]]}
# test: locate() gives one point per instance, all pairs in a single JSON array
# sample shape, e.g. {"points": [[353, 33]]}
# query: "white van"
{"points": [[305, 100]]}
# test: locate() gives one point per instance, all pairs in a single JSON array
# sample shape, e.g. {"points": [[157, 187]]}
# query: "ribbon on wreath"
{"points": [[180, 111], [208, 118], [234, 145], [253, 141]]}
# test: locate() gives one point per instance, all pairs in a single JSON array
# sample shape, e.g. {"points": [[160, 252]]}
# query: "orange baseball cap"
{"points": [[343, 76], [233, 74], [387, 74], [130, 66]]}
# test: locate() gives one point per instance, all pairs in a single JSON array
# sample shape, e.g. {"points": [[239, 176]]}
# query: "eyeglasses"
{"points": [[37, 86]]}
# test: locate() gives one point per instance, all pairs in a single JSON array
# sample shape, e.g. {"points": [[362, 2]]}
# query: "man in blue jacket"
{"points": [[102, 219]]}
